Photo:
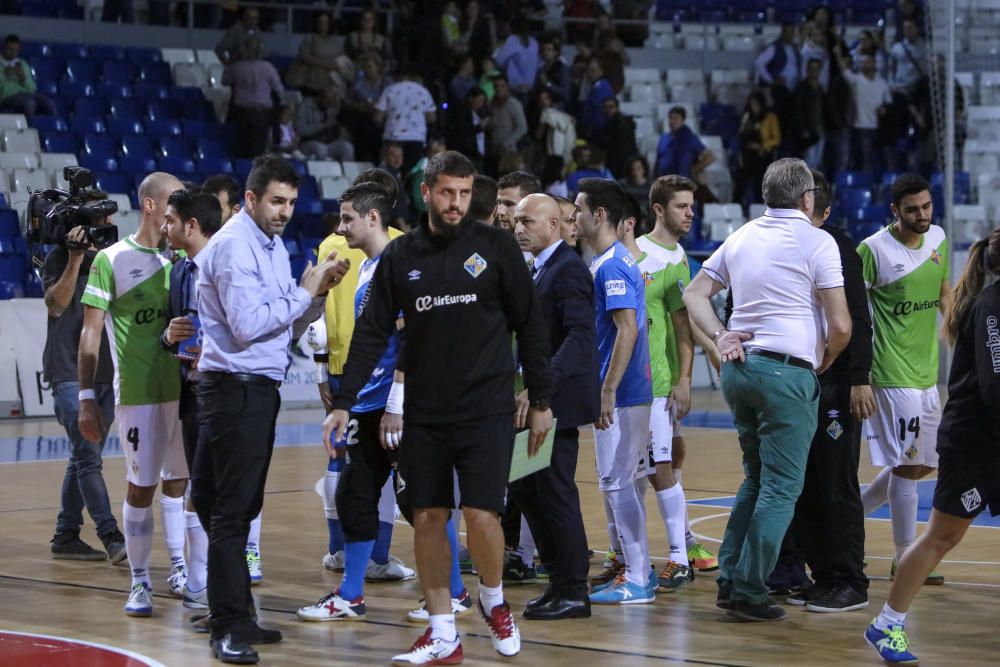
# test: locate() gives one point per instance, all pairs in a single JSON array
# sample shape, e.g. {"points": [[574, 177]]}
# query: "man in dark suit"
{"points": [[549, 498]]}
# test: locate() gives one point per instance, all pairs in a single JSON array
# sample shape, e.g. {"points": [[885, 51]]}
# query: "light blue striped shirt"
{"points": [[247, 301]]}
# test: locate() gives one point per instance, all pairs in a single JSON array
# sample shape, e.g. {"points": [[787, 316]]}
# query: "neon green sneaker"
{"points": [[702, 559], [935, 578]]}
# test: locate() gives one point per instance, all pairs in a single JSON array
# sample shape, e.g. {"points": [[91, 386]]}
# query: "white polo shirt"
{"points": [[775, 265]]}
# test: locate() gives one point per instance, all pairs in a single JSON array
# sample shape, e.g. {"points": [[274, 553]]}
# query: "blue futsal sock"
{"points": [[380, 552], [333, 470], [356, 555], [457, 585]]}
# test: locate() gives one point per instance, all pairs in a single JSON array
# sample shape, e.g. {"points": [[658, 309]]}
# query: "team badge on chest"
{"points": [[475, 265]]}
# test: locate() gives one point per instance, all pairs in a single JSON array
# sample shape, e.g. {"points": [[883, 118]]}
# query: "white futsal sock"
{"points": [[197, 540], [903, 507], [526, 545], [630, 520], [889, 617], [672, 506], [253, 537], [138, 524], [172, 511], [616, 544], [489, 596], [330, 494], [876, 494], [387, 503], [443, 627], [689, 539]]}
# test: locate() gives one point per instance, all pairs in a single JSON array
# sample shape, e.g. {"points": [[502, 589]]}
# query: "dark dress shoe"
{"points": [[234, 650], [543, 598], [559, 607], [722, 599], [259, 635], [749, 611]]}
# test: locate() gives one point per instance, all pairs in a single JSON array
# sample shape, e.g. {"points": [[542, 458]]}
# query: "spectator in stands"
{"points": [[320, 61], [466, 133], [839, 115], [392, 163], [617, 137], [451, 31], [478, 31], [591, 165], [518, 58], [908, 60], [871, 101], [610, 50], [505, 125], [870, 44], [366, 39], [227, 191], [463, 81], [284, 138], [319, 128], [778, 67], [908, 10], [553, 181], [637, 182], [760, 134], [253, 81], [553, 73], [595, 89], [810, 104], [405, 109], [556, 128], [921, 109], [487, 70], [18, 91], [581, 29], [115, 10], [680, 151], [359, 106], [233, 43], [636, 12], [815, 47]]}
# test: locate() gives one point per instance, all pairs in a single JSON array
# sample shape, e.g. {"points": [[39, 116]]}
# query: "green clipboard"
{"points": [[520, 464]]}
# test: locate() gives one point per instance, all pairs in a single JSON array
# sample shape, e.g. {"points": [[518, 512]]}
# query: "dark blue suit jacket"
{"points": [[566, 291], [175, 303]]}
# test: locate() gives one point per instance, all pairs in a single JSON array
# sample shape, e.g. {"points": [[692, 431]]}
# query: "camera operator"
{"points": [[65, 274]]}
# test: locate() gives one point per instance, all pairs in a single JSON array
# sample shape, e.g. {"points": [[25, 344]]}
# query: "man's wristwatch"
{"points": [[540, 404]]}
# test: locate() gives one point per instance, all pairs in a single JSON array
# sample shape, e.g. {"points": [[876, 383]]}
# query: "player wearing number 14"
{"points": [[905, 267]]}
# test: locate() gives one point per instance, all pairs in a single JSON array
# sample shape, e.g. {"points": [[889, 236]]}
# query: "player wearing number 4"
{"points": [[364, 215], [906, 271]]}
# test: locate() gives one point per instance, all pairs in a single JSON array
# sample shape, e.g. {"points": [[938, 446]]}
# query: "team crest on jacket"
{"points": [[475, 265]]}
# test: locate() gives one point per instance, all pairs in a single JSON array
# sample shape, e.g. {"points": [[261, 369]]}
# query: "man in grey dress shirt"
{"points": [[248, 302]]}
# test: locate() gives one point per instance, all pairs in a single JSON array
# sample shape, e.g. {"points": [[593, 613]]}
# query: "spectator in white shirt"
{"points": [[871, 100], [908, 59]]}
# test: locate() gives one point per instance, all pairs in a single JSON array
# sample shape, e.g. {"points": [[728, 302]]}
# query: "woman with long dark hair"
{"points": [[760, 135], [968, 443]]}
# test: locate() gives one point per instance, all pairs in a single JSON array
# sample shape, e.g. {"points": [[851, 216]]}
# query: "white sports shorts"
{"points": [[621, 447], [151, 439], [903, 430]]}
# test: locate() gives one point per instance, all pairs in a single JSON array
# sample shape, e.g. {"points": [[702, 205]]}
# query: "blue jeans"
{"points": [[83, 483]]}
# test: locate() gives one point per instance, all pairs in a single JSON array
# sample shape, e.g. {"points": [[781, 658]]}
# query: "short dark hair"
{"points": [[906, 185], [383, 179], [822, 197], [484, 198], [814, 60], [368, 196], [448, 163], [11, 39], [199, 204], [633, 210], [475, 91], [681, 111], [604, 193], [499, 76], [268, 169], [524, 181], [223, 183], [665, 187]]}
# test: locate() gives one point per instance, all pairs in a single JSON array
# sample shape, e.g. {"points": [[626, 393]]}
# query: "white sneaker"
{"points": [[195, 600], [253, 564], [334, 562], [177, 581], [334, 608], [431, 651], [459, 606], [140, 601], [393, 570], [504, 634]]}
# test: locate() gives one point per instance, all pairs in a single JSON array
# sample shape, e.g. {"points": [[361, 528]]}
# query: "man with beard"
{"points": [[511, 189], [462, 288]]}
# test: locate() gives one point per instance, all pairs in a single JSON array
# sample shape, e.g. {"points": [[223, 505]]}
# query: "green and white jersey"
{"points": [[904, 292], [666, 273], [131, 284]]}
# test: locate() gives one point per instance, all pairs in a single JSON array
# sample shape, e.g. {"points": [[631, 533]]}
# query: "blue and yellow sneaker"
{"points": [[892, 644], [623, 591]]}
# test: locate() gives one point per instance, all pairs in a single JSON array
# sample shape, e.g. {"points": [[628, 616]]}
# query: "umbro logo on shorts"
{"points": [[971, 500]]}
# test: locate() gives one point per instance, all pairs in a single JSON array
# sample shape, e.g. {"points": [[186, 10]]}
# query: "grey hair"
{"points": [[785, 181]]}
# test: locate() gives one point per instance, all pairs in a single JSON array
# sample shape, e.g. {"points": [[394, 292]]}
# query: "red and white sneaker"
{"points": [[504, 634], [431, 651], [334, 608]]}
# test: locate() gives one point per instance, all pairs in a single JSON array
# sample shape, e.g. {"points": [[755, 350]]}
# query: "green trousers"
{"points": [[774, 407]]}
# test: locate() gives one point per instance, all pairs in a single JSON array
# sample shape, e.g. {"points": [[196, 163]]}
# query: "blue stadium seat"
{"points": [[111, 181], [216, 165], [118, 71], [13, 268], [96, 163], [47, 68], [175, 146], [210, 147], [82, 125], [300, 167], [297, 261], [161, 110], [76, 89], [859, 231], [100, 145], [123, 126], [197, 110], [31, 50], [139, 164], [854, 198], [243, 167], [963, 184], [84, 71], [47, 88], [107, 52], [9, 227], [69, 50], [163, 127], [178, 166], [110, 89], [155, 72], [141, 54], [187, 94], [48, 123], [126, 107], [149, 92], [60, 142], [3, 201], [138, 146], [855, 179], [15, 289], [311, 225], [38, 8], [198, 129]]}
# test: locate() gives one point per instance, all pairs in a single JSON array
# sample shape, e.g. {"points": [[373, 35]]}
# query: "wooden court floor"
{"points": [[950, 625]]}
